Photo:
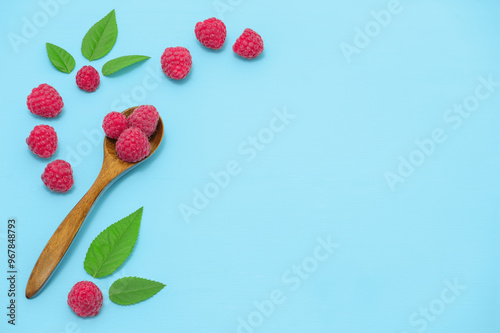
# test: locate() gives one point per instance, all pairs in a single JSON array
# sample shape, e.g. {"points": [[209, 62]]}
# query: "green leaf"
{"points": [[101, 38], [115, 65], [112, 246], [60, 58], [131, 290]]}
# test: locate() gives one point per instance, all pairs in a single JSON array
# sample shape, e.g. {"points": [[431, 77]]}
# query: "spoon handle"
{"points": [[63, 237]]}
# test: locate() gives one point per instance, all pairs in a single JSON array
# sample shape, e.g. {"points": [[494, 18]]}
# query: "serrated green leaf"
{"points": [[112, 246], [60, 58], [131, 290], [115, 65], [101, 38]]}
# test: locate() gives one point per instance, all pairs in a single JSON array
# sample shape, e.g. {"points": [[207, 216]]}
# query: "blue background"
{"points": [[322, 176]]}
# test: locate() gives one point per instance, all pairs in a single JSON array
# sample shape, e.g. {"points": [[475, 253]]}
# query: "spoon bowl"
{"points": [[154, 141], [57, 246]]}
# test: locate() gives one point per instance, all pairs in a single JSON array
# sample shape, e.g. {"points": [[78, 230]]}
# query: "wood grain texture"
{"points": [[58, 244]]}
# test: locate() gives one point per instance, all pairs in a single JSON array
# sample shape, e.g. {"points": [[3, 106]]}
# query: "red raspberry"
{"points": [[132, 145], [85, 299], [87, 79], [45, 101], [114, 124], [42, 141], [249, 45], [211, 33], [176, 62], [58, 176], [145, 118]]}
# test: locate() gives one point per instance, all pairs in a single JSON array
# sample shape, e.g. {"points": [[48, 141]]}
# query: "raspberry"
{"points": [[45, 101], [42, 141], [145, 118], [85, 299], [132, 145], [176, 62], [114, 124], [58, 176], [211, 33], [249, 45], [87, 79]]}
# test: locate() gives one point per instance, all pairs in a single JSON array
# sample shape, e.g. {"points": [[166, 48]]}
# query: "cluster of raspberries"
{"points": [[176, 61], [45, 101], [132, 132]]}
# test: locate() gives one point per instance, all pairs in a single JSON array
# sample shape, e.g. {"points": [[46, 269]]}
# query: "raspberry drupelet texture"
{"points": [[114, 124], [58, 176], [132, 145], [85, 299], [145, 118], [87, 79], [211, 33], [249, 45], [42, 141], [176, 62], [45, 101]]}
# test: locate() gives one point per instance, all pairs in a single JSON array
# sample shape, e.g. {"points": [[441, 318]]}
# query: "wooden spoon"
{"points": [[112, 168]]}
